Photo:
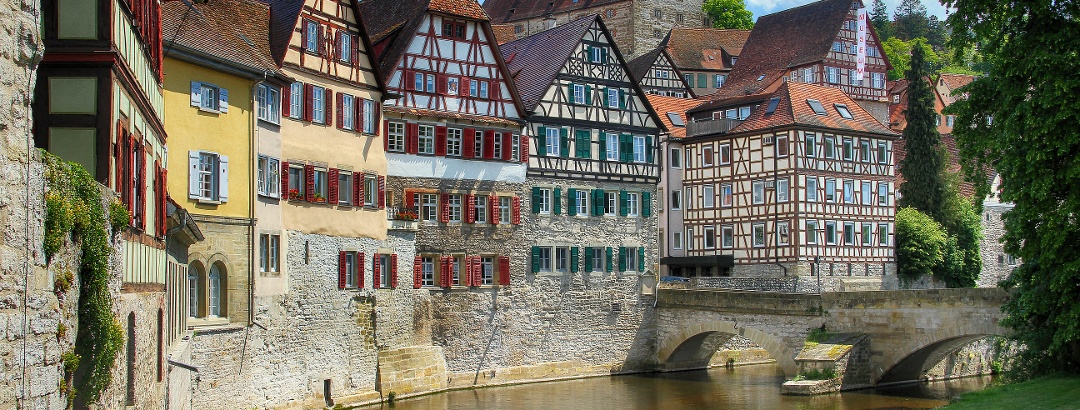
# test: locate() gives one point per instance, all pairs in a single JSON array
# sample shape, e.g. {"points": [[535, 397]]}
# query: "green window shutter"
{"points": [[571, 201], [623, 206], [558, 202], [650, 156], [583, 143], [702, 81], [588, 53], [641, 259], [608, 265], [541, 140], [570, 94], [646, 204], [598, 202], [689, 80], [601, 149], [536, 259], [588, 94], [564, 142], [604, 101], [536, 200], [603, 55], [626, 147], [575, 256], [622, 259], [622, 99]]}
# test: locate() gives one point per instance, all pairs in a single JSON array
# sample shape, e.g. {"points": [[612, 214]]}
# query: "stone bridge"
{"points": [[909, 330]]}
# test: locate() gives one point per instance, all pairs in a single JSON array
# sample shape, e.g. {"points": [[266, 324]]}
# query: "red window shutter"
{"points": [[504, 270], [358, 121], [377, 117], [412, 138], [440, 141], [284, 180], [469, 272], [507, 146], [332, 182], [309, 182], [142, 188], [328, 96], [360, 270], [515, 211], [375, 271], [444, 271], [441, 84], [393, 270], [494, 207], [386, 136], [477, 271], [444, 210], [468, 142], [119, 153], [470, 209], [309, 106], [463, 87], [303, 34], [164, 201], [410, 199], [418, 272], [358, 189], [336, 46], [407, 80], [322, 40], [525, 149], [340, 114], [381, 199], [489, 144], [355, 51], [286, 100], [341, 270]]}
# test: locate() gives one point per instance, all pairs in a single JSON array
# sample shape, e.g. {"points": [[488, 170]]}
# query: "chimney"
{"points": [[549, 22]]}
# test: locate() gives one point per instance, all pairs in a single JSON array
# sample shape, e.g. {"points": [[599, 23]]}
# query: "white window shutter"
{"points": [[223, 101], [196, 93], [193, 174], [223, 178]]}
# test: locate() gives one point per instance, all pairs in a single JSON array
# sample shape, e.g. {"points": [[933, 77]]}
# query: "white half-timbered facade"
{"points": [[656, 73], [806, 182]]}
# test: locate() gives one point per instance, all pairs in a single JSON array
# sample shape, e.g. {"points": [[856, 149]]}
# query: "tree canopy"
{"points": [[728, 14], [923, 167], [1022, 120], [899, 54]]}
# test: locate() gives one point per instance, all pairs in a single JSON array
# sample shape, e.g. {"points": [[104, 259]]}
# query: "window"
{"points": [[348, 112], [296, 100], [369, 116], [658, 14], [426, 140], [676, 160], [849, 233], [596, 261], [676, 240], [209, 97], [726, 197], [676, 200], [497, 147], [744, 113], [453, 29], [612, 144], [867, 193], [481, 208], [613, 98], [429, 207], [545, 199], [708, 196], [454, 201], [719, 80], [487, 270], [371, 190], [725, 154], [782, 190], [427, 271], [707, 156], [269, 249], [504, 209], [811, 146], [474, 88], [849, 149], [318, 105], [867, 234], [878, 80], [395, 136], [193, 292], [864, 151], [639, 148], [727, 236], [689, 239], [632, 203], [830, 148], [208, 179], [478, 143], [710, 237], [579, 94], [483, 89], [352, 269], [551, 141], [853, 79], [215, 291], [596, 54], [429, 83], [689, 78], [581, 202], [418, 81], [783, 233], [833, 75], [321, 185], [882, 152], [345, 186], [312, 37], [345, 42], [269, 177], [759, 235], [883, 193], [830, 232], [453, 142], [883, 234], [838, 47], [383, 266], [830, 190], [950, 120], [849, 191], [611, 205], [562, 259], [515, 148], [759, 192], [628, 259], [781, 146], [544, 257], [297, 187], [702, 80], [269, 103], [811, 232], [808, 75]]}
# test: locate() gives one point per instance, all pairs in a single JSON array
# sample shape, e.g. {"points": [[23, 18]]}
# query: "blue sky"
{"points": [[763, 7]]}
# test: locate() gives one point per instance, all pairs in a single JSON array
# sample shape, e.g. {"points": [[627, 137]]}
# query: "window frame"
{"points": [[708, 196], [758, 193], [454, 141], [345, 188], [269, 176], [811, 232], [811, 191], [269, 252], [709, 237], [725, 154], [395, 135], [754, 229], [425, 139], [269, 99]]}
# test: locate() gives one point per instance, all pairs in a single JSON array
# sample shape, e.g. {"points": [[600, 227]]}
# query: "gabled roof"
{"points": [[954, 81], [229, 32], [793, 109], [679, 106], [504, 11], [704, 48], [783, 40], [538, 58], [640, 66]]}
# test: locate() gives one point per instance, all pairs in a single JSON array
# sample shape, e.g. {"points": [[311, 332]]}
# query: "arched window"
{"points": [[215, 290], [193, 291]]}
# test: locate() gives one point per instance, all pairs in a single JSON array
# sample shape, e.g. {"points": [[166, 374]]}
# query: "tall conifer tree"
{"points": [[924, 185]]}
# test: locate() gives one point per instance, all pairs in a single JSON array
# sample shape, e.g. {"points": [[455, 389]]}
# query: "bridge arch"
{"points": [[911, 361], [694, 345]]}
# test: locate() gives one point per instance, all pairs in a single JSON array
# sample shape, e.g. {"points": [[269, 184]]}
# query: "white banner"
{"points": [[860, 42]]}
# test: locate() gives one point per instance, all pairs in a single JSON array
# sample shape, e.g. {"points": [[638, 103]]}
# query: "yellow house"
{"points": [[215, 72]]}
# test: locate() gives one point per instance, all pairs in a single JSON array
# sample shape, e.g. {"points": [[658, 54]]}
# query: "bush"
{"points": [[920, 243]]}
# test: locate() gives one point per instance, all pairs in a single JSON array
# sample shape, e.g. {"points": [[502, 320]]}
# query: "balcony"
{"points": [[401, 219], [709, 127]]}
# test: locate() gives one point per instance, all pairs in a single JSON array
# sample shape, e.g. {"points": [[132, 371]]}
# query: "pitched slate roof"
{"points": [[504, 11], [640, 66], [283, 16], [234, 32], [534, 61], [793, 109], [664, 105], [703, 48], [783, 40]]}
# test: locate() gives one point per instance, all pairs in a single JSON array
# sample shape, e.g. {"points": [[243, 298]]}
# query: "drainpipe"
{"points": [[252, 170]]}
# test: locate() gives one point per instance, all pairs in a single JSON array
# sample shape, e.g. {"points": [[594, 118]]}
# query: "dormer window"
{"points": [[816, 106], [773, 102], [675, 119], [843, 110]]}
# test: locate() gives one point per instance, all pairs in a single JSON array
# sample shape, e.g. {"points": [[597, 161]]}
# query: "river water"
{"points": [[749, 387]]}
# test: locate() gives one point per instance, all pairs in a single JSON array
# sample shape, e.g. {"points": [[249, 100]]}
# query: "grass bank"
{"points": [[1050, 392]]}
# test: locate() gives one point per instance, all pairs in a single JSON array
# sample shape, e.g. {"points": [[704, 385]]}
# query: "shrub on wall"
{"points": [[920, 243]]}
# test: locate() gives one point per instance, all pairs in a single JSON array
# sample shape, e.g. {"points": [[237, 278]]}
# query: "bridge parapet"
{"points": [[741, 301]]}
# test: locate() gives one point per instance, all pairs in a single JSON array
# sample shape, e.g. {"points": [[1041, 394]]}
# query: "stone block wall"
{"points": [[996, 263], [147, 361], [649, 29], [228, 243]]}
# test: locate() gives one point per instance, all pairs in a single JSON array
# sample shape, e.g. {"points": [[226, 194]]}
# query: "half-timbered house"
{"points": [[817, 43], [704, 56], [673, 115], [805, 185], [656, 73], [454, 142], [593, 167]]}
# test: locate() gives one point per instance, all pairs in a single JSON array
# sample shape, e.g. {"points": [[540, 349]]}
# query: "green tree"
{"points": [[923, 166], [920, 243], [1022, 119], [730, 14], [899, 54], [910, 20], [879, 18]]}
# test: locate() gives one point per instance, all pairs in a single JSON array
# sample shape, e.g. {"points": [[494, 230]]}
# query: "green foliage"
{"points": [[879, 18], [910, 20], [58, 222], [391, 397], [63, 282], [920, 243], [962, 259], [899, 54], [1022, 119], [119, 217], [818, 335], [816, 374], [1059, 391], [99, 336], [923, 167], [729, 14]]}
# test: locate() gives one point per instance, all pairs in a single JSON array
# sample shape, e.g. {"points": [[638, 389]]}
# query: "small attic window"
{"points": [[773, 102], [761, 77], [816, 106], [676, 120], [843, 110]]}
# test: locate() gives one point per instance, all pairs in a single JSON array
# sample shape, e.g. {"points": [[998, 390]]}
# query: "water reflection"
{"points": [[751, 387]]}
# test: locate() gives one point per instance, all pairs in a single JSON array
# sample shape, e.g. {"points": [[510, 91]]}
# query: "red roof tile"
{"points": [[234, 31], [954, 81], [794, 109], [505, 11], [452, 115], [705, 48], [504, 33], [664, 105]]}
